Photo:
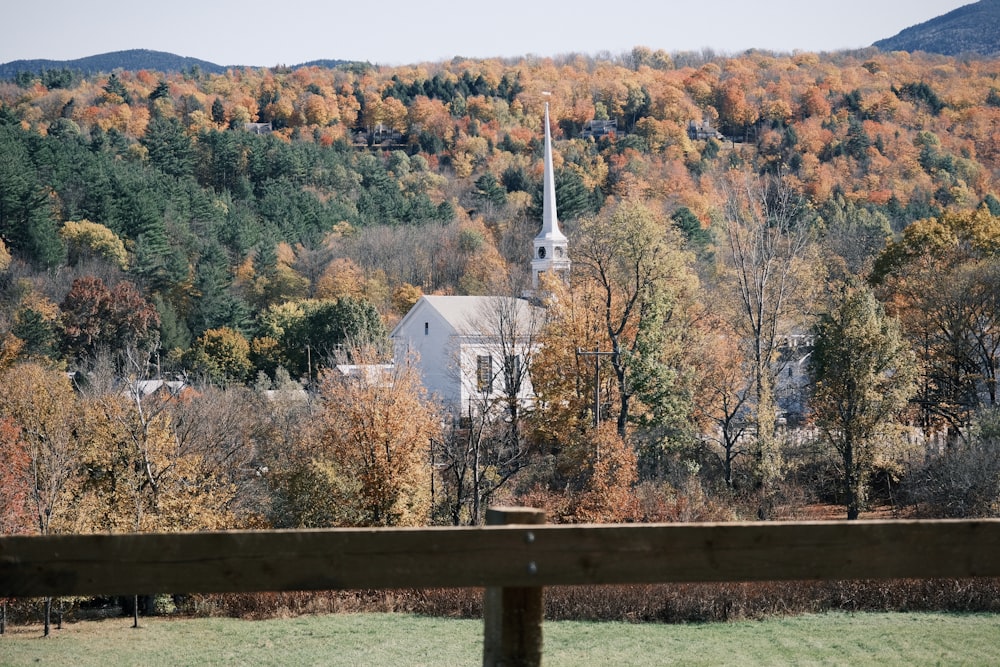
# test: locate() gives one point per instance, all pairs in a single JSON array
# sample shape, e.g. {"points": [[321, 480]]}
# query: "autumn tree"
{"points": [[39, 403], [940, 278], [340, 278], [562, 379], [5, 258], [221, 356], [225, 431], [376, 430], [15, 480], [86, 239], [96, 318], [15, 490], [139, 476], [864, 374], [404, 297], [633, 258], [605, 480], [765, 250], [724, 395]]}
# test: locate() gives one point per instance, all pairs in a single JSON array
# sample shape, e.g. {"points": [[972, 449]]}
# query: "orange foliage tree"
{"points": [[374, 443], [15, 480]]}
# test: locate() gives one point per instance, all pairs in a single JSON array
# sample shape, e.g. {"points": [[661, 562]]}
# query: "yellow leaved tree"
{"points": [[377, 427]]}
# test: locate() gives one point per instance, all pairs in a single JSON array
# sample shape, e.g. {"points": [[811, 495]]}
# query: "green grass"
{"points": [[395, 639]]}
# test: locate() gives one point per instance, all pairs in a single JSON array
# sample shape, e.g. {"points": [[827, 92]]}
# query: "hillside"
{"points": [[131, 60], [973, 28], [245, 231], [904, 137]]}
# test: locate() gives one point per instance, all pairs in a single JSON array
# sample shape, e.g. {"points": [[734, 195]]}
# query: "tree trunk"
{"points": [[851, 483], [623, 395], [727, 468], [476, 473], [622, 424], [47, 621], [766, 459]]}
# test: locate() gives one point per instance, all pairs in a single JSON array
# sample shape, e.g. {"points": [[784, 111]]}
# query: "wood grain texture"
{"points": [[512, 616], [501, 556]]}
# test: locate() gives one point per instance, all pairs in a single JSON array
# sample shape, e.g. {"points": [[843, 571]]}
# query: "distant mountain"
{"points": [[973, 28], [131, 60], [134, 59]]}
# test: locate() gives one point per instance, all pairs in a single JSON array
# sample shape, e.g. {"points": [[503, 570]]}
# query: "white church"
{"points": [[474, 351]]}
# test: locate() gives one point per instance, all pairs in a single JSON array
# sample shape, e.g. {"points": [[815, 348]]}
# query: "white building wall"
{"points": [[471, 350], [447, 359], [426, 340]]}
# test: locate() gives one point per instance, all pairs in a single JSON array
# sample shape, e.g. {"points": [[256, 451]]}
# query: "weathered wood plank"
{"points": [[504, 556], [512, 616]]}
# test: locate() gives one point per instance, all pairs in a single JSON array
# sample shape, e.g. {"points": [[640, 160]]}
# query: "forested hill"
{"points": [[221, 197], [131, 60], [973, 28]]}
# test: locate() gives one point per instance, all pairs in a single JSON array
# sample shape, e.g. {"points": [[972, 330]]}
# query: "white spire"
{"points": [[551, 251], [550, 220]]}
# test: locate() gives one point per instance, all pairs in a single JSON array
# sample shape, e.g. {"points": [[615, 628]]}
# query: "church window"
{"points": [[484, 373], [427, 328]]}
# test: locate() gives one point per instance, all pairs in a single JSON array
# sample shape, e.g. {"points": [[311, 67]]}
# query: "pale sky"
{"points": [[398, 32]]}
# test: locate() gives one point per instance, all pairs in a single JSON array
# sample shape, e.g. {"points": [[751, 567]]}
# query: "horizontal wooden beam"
{"points": [[504, 556]]}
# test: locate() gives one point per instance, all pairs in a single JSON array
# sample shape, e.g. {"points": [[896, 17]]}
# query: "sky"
{"points": [[401, 32]]}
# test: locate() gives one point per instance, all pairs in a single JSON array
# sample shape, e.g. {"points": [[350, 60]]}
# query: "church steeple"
{"points": [[550, 252]]}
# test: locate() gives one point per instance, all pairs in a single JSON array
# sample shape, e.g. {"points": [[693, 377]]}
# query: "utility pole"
{"points": [[432, 479], [596, 354]]}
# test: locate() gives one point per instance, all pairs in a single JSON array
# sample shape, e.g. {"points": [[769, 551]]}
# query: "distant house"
{"points": [[258, 128], [369, 373], [379, 136], [702, 131], [600, 128], [161, 389], [289, 395], [792, 376]]}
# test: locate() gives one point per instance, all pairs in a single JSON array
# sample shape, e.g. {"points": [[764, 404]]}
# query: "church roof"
{"points": [[459, 311], [466, 314]]}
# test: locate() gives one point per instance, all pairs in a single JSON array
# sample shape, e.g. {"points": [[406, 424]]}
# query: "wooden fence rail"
{"points": [[514, 558]]}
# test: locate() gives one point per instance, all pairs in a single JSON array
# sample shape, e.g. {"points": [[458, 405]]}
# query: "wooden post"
{"points": [[512, 617]]}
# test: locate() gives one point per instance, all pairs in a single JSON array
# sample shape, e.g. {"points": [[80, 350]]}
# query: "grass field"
{"points": [[395, 639]]}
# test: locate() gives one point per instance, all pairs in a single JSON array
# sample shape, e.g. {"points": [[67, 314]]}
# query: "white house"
{"points": [[792, 381], [474, 352]]}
